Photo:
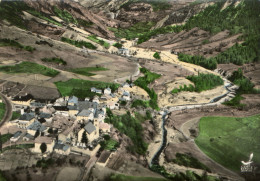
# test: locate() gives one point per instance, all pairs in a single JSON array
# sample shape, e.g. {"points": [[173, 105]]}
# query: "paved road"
{"points": [[8, 109]]}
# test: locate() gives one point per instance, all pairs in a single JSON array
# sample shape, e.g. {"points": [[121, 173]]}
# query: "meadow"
{"points": [[229, 140]]}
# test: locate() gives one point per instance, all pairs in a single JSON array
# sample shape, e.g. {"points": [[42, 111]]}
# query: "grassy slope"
{"points": [[2, 110], [81, 88], [29, 67], [15, 115], [228, 141], [86, 71]]}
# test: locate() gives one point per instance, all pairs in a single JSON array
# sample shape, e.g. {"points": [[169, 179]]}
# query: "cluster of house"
{"points": [[69, 119]]}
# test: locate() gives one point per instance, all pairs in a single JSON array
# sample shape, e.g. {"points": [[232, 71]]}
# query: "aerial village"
{"points": [[68, 125]]}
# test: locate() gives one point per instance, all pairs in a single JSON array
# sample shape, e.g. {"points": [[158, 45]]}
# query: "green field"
{"points": [[15, 115], [228, 141], [86, 71], [119, 177], [29, 67], [2, 110], [82, 88]]}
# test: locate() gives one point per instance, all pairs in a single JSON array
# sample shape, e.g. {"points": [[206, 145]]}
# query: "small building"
{"points": [[28, 137], [126, 96], [86, 115], [123, 51], [96, 99], [43, 139], [16, 136], [104, 127], [112, 105], [107, 91], [73, 101], [34, 127], [23, 100], [98, 91], [93, 89], [37, 105], [47, 110], [46, 116], [125, 85], [64, 110], [91, 131], [25, 120], [62, 149]]}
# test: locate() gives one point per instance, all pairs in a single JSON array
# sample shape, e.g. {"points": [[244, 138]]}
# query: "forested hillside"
{"points": [[243, 19]]}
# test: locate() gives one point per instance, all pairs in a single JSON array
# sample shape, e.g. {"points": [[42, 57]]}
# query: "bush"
{"points": [[245, 87], [43, 147], [13, 43], [101, 42], [143, 82], [139, 103], [79, 44], [55, 60], [118, 45], [157, 55], [198, 60], [189, 161], [204, 82]]}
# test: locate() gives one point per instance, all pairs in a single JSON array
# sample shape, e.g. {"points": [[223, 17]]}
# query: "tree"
{"points": [[50, 131], [43, 147], [37, 133], [157, 55], [84, 138]]}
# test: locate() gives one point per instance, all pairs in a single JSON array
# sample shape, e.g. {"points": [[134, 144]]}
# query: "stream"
{"points": [[156, 156]]}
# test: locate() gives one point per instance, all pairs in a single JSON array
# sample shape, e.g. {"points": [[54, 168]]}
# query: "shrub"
{"points": [[157, 55]]}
